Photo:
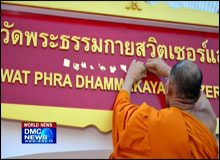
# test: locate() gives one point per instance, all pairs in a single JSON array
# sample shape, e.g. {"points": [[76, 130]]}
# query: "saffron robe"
{"points": [[143, 132]]}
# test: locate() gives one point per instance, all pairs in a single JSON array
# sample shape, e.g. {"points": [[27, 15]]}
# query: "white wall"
{"points": [[71, 143], [68, 139]]}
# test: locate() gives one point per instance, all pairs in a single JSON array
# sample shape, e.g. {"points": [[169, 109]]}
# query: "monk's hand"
{"points": [[136, 71], [158, 67]]}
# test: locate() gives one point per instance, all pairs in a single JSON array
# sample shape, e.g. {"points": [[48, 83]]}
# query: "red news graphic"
{"points": [[38, 125]]}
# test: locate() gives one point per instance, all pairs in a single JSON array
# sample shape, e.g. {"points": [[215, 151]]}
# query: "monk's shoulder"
{"points": [[167, 113], [201, 122]]}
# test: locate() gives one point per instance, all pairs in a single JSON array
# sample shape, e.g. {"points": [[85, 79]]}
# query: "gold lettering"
{"points": [[37, 77], [209, 91], [57, 79], [216, 91], [146, 87], [98, 83], [108, 84], [89, 82], [137, 85], [25, 75], [79, 77], [67, 81], [6, 74], [154, 86], [161, 88], [31, 36], [47, 79], [117, 84], [17, 77]]}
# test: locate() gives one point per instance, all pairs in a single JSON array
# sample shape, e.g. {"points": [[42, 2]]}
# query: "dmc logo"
{"points": [[34, 134], [41, 134], [32, 131]]}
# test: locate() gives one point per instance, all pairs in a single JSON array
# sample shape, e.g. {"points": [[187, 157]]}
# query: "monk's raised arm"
{"points": [[122, 112], [122, 100], [136, 71], [204, 112], [123, 109], [158, 67]]}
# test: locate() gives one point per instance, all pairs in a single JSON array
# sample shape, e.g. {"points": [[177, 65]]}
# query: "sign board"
{"points": [[69, 70]]}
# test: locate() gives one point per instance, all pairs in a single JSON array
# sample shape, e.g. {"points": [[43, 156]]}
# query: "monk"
{"points": [[185, 129]]}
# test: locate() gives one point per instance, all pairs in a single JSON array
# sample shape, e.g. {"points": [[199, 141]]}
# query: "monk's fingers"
{"points": [[144, 73], [134, 61], [150, 65], [149, 60], [142, 63], [139, 62], [132, 64], [142, 66], [152, 71]]}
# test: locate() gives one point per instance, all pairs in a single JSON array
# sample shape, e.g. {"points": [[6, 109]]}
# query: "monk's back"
{"points": [[176, 134], [144, 132], [171, 133]]}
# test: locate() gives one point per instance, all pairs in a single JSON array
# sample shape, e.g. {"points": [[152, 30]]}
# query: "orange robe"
{"points": [[144, 132]]}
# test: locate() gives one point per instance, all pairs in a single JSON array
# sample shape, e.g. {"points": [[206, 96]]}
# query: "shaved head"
{"points": [[187, 79]]}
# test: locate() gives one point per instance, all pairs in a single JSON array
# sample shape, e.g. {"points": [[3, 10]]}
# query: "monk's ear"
{"points": [[200, 94], [169, 88]]}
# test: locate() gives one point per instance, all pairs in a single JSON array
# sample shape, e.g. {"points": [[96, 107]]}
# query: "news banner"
{"points": [[39, 132]]}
